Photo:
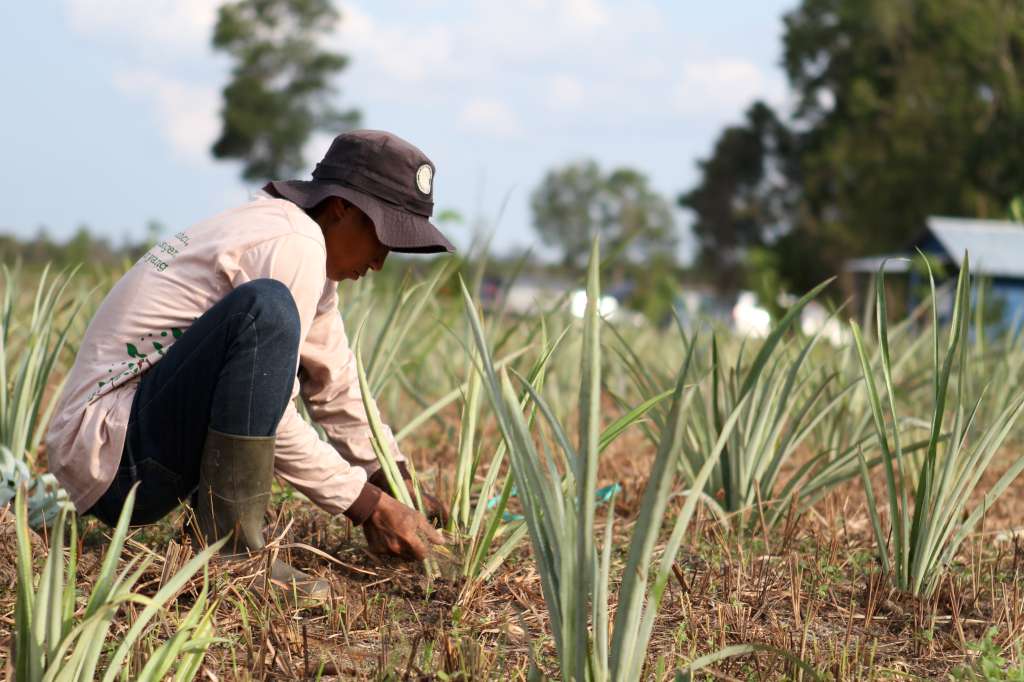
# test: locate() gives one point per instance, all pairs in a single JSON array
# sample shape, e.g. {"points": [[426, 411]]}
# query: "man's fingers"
{"points": [[397, 530], [432, 533], [416, 550]]}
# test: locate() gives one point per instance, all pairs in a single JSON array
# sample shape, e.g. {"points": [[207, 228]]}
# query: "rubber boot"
{"points": [[235, 474]]}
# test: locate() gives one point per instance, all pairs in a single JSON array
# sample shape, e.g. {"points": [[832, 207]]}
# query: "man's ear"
{"points": [[338, 206], [341, 207]]}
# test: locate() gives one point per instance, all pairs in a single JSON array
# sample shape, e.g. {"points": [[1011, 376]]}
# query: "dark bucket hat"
{"points": [[384, 176]]}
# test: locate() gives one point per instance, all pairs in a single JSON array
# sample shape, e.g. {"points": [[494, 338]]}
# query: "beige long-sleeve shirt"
{"points": [[156, 301]]}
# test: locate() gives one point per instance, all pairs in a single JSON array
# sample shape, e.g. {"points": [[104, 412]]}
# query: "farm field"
{"points": [[627, 502]]}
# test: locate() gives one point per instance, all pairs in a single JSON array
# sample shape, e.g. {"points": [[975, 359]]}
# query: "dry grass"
{"points": [[810, 587]]}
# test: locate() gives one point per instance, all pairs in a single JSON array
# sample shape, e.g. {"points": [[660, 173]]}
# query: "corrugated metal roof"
{"points": [[996, 247]]}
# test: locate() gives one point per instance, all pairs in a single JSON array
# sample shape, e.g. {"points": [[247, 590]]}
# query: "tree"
{"points": [[280, 89], [577, 201], [903, 110], [745, 194], [913, 108]]}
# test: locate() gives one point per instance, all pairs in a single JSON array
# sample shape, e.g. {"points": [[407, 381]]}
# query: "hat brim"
{"points": [[396, 229]]}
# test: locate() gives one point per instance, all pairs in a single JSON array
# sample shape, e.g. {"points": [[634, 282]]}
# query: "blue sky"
{"points": [[111, 105]]}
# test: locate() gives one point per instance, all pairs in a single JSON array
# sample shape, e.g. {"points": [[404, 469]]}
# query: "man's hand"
{"points": [[399, 531]]}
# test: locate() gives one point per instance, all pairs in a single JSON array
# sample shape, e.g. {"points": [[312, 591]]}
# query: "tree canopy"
{"points": [[577, 201], [280, 90], [745, 196], [903, 110]]}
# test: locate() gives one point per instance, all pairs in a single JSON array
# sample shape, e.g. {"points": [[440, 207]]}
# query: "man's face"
{"points": [[352, 244]]}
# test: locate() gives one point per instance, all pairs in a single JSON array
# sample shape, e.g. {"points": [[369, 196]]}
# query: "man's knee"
{"points": [[272, 302]]}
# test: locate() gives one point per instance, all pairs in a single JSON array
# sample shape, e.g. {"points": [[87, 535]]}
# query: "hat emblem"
{"points": [[424, 177]]}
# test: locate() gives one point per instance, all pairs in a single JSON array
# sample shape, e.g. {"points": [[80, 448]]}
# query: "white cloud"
{"points": [[186, 114], [616, 51], [550, 58], [724, 86], [178, 25], [586, 14], [408, 53], [565, 93], [483, 41], [489, 116]]}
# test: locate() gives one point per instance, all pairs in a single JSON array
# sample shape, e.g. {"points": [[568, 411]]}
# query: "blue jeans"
{"points": [[233, 371]]}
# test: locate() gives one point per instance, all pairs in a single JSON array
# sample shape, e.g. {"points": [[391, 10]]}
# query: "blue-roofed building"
{"points": [[996, 252], [996, 247]]}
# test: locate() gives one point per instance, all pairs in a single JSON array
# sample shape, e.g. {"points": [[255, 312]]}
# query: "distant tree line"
{"points": [[83, 248], [638, 233]]}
